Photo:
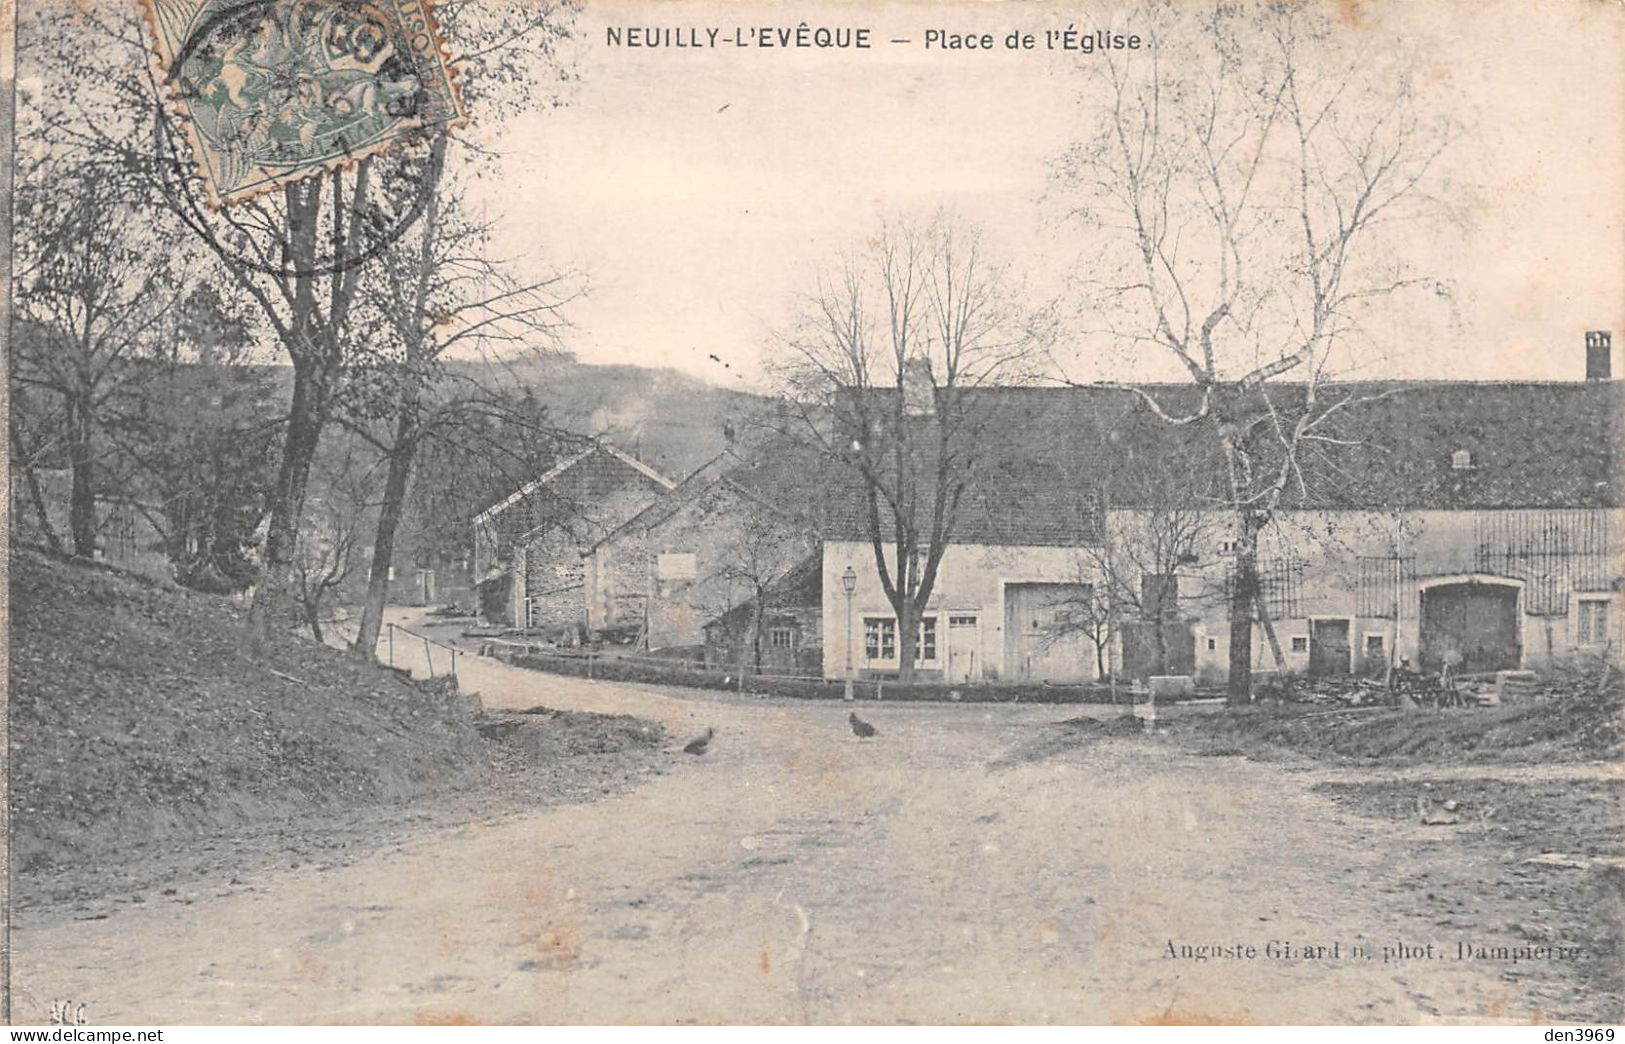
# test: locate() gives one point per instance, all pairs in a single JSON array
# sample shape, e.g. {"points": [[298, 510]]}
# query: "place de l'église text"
{"points": [[806, 36]]}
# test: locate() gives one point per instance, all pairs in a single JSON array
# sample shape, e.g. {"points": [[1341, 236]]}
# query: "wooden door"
{"points": [[964, 648], [1472, 625], [1329, 648], [1037, 645]]}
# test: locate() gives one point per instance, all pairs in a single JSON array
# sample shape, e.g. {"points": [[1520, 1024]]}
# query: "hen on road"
{"points": [[860, 728], [700, 744]]}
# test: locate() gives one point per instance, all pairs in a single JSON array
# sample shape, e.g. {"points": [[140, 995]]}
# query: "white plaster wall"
{"points": [[971, 579]]}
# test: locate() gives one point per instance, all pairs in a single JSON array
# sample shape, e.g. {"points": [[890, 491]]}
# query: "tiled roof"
{"points": [[1528, 445], [553, 475], [1058, 455], [774, 484]]}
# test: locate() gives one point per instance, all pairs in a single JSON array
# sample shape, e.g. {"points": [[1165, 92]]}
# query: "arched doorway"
{"points": [[1476, 620]]}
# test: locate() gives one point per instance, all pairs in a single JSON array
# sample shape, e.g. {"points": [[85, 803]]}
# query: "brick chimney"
{"points": [[919, 387], [1599, 355]]}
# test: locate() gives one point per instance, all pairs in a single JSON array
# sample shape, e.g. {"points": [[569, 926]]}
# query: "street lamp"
{"points": [[849, 584]]}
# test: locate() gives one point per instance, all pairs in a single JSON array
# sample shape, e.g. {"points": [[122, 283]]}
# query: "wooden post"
{"points": [[428, 656], [1275, 643], [392, 645]]}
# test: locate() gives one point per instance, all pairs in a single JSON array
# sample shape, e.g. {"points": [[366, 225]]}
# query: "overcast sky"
{"points": [[702, 189]]}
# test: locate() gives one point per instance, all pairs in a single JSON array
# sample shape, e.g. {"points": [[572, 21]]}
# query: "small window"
{"points": [[1300, 643], [1593, 622], [675, 566], [1461, 460], [779, 638], [926, 647], [879, 638], [1212, 644], [961, 621], [1373, 646]]}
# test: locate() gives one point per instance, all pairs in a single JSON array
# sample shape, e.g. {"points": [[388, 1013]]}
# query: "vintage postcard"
{"points": [[645, 513]]}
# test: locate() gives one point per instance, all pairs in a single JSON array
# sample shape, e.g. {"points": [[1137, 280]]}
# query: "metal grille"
{"points": [[1280, 583], [1555, 553], [1383, 579]]}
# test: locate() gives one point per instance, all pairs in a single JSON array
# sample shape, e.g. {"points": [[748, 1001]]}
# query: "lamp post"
{"points": [[849, 584]]}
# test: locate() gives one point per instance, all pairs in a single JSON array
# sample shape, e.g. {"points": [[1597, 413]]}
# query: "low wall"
{"points": [[617, 669]]}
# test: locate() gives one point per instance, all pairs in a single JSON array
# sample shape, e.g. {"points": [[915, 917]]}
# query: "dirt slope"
{"points": [[137, 712]]}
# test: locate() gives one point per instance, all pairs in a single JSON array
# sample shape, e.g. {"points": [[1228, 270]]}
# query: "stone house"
{"points": [[528, 547], [791, 626], [702, 549]]}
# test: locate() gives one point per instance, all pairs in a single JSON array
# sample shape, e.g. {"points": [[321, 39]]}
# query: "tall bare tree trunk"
{"points": [[908, 628], [316, 348], [756, 632], [274, 597], [1243, 596], [408, 425], [1160, 635], [402, 455], [81, 461]]}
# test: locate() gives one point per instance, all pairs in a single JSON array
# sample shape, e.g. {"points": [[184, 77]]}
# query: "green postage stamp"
{"points": [[271, 91]]}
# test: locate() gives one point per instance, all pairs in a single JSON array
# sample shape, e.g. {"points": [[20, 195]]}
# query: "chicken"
{"points": [[860, 728], [700, 744]]}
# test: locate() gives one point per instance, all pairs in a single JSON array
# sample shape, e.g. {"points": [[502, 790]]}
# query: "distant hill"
{"points": [[668, 419]]}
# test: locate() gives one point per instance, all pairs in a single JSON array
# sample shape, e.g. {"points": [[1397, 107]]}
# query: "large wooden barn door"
{"points": [[1035, 647], [1476, 621]]}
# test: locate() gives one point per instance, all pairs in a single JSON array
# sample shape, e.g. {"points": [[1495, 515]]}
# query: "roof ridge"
{"points": [[597, 446]]}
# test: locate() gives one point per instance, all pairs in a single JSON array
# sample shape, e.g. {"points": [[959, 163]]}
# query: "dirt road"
{"points": [[959, 867]]}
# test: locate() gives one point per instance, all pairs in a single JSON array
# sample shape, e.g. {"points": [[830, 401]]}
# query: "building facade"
{"points": [[1461, 524], [707, 546], [529, 547]]}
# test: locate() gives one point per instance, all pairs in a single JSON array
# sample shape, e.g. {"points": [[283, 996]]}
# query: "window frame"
{"points": [[1592, 621], [927, 637], [884, 631]]}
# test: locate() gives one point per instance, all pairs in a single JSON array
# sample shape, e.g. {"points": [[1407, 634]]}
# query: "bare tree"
{"points": [[885, 373], [1148, 566], [299, 252], [89, 296], [338, 513], [1147, 573], [438, 296], [764, 543], [1245, 189], [1089, 612]]}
